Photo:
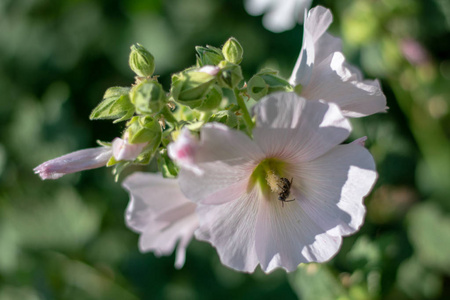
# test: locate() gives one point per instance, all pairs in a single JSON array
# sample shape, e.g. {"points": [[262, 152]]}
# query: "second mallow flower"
{"points": [[287, 196], [161, 214]]}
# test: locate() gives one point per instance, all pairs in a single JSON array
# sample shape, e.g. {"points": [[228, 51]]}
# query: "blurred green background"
{"points": [[66, 239]]}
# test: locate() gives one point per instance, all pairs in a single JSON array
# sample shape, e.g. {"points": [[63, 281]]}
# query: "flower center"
{"points": [[268, 175]]}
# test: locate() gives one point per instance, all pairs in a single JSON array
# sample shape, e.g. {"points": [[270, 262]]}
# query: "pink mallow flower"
{"points": [[77, 161], [324, 74], [161, 214], [287, 196]]}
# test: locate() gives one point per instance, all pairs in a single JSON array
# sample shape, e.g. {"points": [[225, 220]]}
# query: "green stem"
{"points": [[245, 114]]}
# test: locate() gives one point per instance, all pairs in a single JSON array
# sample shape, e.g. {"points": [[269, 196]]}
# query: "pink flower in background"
{"points": [[241, 191], [324, 74], [77, 161], [278, 15], [161, 214]]}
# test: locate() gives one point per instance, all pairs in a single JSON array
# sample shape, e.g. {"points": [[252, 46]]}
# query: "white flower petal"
{"points": [[288, 127], [356, 98], [230, 228], [316, 24], [161, 213], [331, 188], [287, 236], [228, 157]]}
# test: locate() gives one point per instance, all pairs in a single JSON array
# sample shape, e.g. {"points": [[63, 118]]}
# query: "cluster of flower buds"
{"points": [[154, 116]]}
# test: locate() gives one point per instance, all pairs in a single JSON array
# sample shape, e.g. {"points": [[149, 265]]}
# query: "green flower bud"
{"points": [[148, 97], [208, 55], [143, 130], [266, 82], [212, 100], [141, 61], [115, 105], [232, 51], [190, 87], [230, 74], [225, 117]]}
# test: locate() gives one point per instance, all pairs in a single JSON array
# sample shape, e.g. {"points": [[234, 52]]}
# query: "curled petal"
{"points": [[77, 161], [161, 214], [324, 74], [356, 97], [317, 45]]}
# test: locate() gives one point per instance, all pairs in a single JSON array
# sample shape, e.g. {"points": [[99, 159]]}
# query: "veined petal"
{"points": [[161, 213], [290, 127], [230, 228], [331, 188], [288, 236], [355, 97], [227, 157]]}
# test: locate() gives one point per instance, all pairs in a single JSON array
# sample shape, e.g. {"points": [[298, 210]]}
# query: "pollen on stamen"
{"points": [[273, 181]]}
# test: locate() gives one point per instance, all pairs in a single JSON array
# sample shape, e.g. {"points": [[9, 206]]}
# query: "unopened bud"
{"points": [[143, 130], [230, 74], [208, 55], [115, 105], [77, 161], [141, 61], [148, 97], [232, 51], [266, 82], [191, 87], [225, 117], [212, 100]]}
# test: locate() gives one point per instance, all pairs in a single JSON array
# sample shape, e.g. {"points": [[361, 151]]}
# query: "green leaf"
{"points": [[429, 232], [317, 282], [417, 281]]}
